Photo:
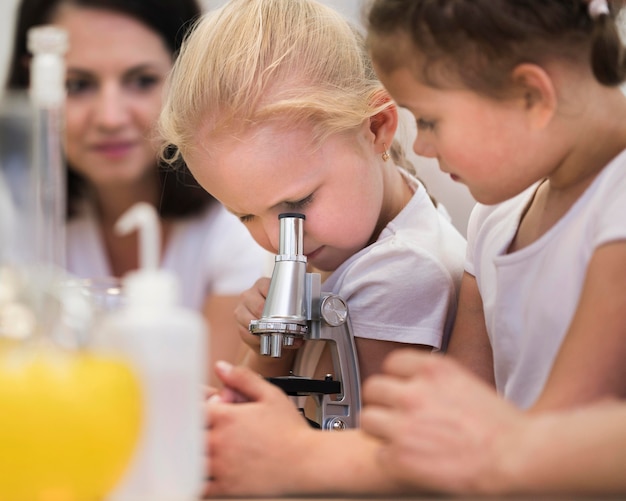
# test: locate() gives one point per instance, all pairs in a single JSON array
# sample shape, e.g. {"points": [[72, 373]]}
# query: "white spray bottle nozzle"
{"points": [[148, 286], [142, 217]]}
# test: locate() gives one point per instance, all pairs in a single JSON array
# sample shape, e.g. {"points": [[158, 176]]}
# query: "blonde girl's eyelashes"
{"points": [[300, 204], [291, 206]]}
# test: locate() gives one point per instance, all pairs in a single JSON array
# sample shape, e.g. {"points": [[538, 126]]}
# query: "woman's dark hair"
{"points": [[180, 194], [481, 41]]}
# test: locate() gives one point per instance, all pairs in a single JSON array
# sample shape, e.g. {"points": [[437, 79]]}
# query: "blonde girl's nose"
{"points": [[265, 233], [271, 227]]}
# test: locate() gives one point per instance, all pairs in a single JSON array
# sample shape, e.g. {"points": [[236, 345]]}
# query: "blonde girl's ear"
{"points": [[384, 124], [537, 92]]}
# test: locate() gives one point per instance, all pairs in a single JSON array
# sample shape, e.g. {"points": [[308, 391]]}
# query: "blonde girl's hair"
{"points": [[257, 61]]}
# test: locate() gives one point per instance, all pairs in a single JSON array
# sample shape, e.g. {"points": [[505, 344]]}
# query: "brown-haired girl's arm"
{"points": [[590, 364], [469, 343], [444, 430]]}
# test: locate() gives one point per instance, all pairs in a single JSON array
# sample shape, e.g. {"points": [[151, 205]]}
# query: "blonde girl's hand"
{"points": [[250, 307], [253, 444], [440, 427], [209, 391]]}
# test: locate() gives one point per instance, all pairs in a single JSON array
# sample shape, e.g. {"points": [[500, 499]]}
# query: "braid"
{"points": [[607, 51]]}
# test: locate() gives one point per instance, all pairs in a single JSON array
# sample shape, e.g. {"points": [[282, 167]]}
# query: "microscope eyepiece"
{"points": [[291, 214], [285, 311]]}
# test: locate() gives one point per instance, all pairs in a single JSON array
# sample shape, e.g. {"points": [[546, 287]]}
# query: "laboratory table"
{"points": [[438, 498]]}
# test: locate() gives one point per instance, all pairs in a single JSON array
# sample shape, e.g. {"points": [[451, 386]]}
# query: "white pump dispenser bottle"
{"points": [[167, 345]]}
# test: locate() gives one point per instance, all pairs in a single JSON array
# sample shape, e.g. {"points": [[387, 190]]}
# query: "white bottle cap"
{"points": [[47, 39]]}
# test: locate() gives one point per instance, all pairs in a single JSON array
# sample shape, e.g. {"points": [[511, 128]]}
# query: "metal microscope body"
{"points": [[294, 308]]}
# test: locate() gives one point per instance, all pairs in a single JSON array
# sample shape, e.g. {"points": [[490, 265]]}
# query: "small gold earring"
{"points": [[385, 154]]}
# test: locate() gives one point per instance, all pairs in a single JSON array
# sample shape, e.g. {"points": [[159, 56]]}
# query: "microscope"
{"points": [[294, 308]]}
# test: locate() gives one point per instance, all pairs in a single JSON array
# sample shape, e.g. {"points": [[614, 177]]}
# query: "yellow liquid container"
{"points": [[69, 424]]}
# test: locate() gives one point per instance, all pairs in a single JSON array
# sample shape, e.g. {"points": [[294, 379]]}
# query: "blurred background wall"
{"points": [[454, 196]]}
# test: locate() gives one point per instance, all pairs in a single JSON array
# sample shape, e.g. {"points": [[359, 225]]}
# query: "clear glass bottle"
{"points": [[48, 45]]}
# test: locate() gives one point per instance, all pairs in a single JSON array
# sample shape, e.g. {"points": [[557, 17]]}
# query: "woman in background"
{"points": [[119, 55]]}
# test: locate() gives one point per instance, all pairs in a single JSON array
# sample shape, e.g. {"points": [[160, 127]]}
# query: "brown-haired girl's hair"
{"points": [[480, 41]]}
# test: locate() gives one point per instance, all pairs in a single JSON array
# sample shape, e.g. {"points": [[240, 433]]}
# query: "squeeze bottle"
{"points": [[167, 346]]}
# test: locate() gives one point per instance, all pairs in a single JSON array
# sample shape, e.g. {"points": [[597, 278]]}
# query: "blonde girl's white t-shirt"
{"points": [[404, 286], [211, 253], [530, 296]]}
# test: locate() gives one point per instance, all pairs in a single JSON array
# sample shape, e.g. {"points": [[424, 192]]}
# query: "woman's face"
{"points": [[116, 68]]}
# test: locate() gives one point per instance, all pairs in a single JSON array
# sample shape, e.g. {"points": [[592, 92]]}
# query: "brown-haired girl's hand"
{"points": [[441, 428]]}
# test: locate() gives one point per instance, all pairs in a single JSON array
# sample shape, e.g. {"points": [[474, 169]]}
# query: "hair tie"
{"points": [[598, 8]]}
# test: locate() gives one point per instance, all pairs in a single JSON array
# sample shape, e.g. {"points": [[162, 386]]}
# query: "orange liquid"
{"points": [[68, 425]]}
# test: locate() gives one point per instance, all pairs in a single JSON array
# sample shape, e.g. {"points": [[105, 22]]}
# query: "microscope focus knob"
{"points": [[337, 424], [334, 310]]}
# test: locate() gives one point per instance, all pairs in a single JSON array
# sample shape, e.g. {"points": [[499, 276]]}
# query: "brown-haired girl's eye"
{"points": [[424, 124]]}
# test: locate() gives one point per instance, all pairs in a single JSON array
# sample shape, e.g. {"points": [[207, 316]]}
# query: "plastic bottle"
{"points": [[167, 345]]}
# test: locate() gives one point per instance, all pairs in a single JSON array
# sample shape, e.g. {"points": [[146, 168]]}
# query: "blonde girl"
{"points": [[275, 108]]}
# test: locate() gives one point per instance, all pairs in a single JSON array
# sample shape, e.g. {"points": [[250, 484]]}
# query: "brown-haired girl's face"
{"points": [[488, 144], [116, 68]]}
